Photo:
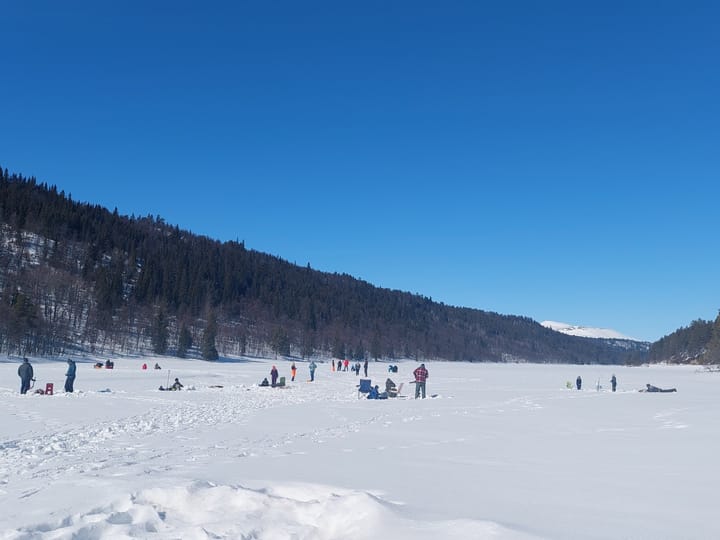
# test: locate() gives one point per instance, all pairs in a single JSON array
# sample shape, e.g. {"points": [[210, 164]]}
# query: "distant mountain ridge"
{"points": [[586, 331]]}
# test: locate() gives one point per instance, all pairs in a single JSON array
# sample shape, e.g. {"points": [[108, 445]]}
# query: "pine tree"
{"points": [[184, 342], [207, 345], [160, 333], [712, 353], [280, 342]]}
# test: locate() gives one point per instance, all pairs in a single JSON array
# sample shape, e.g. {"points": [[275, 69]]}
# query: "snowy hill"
{"points": [[585, 331]]}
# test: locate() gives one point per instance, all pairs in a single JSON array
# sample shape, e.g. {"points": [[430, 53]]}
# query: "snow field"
{"points": [[505, 451]]}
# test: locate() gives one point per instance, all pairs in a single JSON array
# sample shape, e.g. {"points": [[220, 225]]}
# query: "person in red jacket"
{"points": [[421, 375]]}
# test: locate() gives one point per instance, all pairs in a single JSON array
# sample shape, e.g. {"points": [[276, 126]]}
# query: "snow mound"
{"points": [[296, 511]]}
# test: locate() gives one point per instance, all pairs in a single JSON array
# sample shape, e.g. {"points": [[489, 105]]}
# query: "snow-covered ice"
{"points": [[505, 451]]}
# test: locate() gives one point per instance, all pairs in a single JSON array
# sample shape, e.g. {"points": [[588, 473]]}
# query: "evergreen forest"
{"points": [[80, 278]]}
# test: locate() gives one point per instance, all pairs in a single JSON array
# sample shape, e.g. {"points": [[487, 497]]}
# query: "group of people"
{"points": [[421, 375], [26, 374], [274, 374], [578, 383], [343, 365], [108, 365], [613, 384], [144, 366]]}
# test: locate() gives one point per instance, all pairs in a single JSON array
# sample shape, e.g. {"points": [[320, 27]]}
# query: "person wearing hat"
{"points": [[421, 375], [177, 385], [25, 372]]}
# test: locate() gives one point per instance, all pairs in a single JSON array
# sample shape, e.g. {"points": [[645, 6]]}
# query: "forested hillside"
{"points": [[78, 277], [698, 343]]}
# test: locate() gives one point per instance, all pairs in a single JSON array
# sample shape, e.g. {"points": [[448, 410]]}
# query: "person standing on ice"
{"points": [[421, 375], [312, 367], [293, 371], [613, 381], [25, 372], [273, 376], [578, 383], [70, 375], [365, 366]]}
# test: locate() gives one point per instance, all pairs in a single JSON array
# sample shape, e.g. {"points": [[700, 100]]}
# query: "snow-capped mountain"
{"points": [[585, 331]]}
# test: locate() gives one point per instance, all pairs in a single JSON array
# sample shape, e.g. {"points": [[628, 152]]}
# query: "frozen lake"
{"points": [[504, 451]]}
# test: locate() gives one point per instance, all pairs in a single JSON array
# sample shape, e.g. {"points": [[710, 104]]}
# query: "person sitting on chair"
{"points": [[390, 388], [176, 385], [374, 392]]}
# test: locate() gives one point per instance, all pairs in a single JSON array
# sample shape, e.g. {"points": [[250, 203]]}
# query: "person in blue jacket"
{"points": [[70, 375], [25, 372]]}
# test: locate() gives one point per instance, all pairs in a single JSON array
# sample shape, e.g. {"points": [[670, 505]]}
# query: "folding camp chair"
{"points": [[364, 387]]}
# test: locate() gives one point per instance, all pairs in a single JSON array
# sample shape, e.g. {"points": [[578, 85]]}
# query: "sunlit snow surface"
{"points": [[502, 452]]}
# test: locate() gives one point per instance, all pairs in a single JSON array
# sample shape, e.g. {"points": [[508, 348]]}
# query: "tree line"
{"points": [[697, 343], [76, 276]]}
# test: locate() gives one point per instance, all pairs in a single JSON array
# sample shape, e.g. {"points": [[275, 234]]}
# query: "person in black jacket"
{"points": [[578, 383], [25, 372]]}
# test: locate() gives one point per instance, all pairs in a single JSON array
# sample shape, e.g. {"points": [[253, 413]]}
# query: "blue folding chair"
{"points": [[364, 387]]}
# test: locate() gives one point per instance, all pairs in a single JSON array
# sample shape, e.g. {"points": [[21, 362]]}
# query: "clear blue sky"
{"points": [[558, 160]]}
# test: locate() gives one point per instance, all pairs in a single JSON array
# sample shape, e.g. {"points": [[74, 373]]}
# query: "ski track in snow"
{"points": [[57, 452]]}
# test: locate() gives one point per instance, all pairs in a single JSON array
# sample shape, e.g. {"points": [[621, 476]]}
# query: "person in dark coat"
{"points": [[613, 382], [70, 375], [578, 383], [651, 388], [25, 372], [365, 366], [177, 385], [273, 376], [390, 388]]}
